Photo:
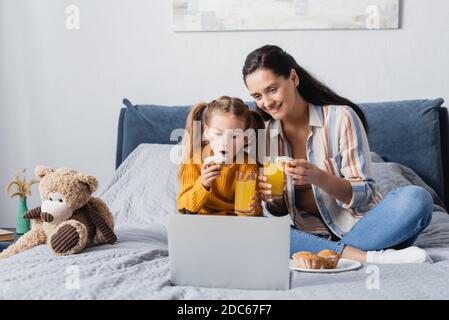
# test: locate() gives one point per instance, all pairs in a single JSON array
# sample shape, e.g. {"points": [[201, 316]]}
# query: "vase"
{"points": [[22, 224]]}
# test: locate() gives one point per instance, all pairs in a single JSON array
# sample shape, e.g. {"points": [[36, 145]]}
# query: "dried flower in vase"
{"points": [[23, 187]]}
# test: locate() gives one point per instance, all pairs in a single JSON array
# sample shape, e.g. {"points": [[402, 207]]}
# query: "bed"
{"points": [[409, 146]]}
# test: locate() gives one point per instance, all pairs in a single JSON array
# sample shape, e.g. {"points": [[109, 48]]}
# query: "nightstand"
{"points": [[6, 244]]}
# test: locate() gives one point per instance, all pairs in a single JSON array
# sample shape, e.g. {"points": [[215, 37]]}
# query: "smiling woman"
{"points": [[330, 194]]}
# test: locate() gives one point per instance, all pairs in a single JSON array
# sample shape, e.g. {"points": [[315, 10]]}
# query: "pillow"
{"points": [[376, 158], [144, 189], [147, 124], [408, 132]]}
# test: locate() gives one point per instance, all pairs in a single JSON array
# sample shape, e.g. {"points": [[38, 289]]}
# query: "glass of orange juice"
{"points": [[245, 188], [276, 177]]}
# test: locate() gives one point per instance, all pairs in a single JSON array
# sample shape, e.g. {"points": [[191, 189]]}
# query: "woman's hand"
{"points": [[264, 188], [255, 207], [209, 174], [304, 172]]}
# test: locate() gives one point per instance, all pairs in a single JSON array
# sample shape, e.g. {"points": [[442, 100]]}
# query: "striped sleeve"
{"points": [[355, 161], [192, 196]]}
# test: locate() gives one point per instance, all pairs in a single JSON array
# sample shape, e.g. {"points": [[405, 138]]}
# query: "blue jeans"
{"points": [[395, 222]]}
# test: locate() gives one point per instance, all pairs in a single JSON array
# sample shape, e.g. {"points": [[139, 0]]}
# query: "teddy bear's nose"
{"points": [[47, 217]]}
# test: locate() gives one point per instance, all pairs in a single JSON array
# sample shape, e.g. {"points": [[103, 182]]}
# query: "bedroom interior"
{"points": [[100, 86]]}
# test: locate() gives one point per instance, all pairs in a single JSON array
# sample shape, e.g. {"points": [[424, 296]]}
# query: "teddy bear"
{"points": [[69, 218]]}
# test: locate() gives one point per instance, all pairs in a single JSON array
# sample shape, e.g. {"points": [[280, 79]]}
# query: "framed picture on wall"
{"points": [[232, 15]]}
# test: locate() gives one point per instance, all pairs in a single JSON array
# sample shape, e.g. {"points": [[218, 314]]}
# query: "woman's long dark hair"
{"points": [[312, 90]]}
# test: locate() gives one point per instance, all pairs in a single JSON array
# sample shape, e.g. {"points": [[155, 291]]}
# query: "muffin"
{"points": [[213, 160], [307, 260], [330, 258], [281, 162]]}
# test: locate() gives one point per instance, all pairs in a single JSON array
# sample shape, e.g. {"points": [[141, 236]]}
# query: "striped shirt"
{"points": [[336, 143]]}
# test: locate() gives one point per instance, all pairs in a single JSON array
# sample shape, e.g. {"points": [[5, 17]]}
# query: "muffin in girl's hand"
{"points": [[330, 258], [213, 160], [307, 260]]}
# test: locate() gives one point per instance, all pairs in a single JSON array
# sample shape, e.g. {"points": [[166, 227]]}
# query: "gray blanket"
{"points": [[143, 192]]}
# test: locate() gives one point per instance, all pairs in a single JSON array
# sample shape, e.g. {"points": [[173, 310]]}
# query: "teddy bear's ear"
{"points": [[91, 181], [42, 171]]}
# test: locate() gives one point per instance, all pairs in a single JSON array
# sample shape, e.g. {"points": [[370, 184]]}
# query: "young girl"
{"points": [[209, 188]]}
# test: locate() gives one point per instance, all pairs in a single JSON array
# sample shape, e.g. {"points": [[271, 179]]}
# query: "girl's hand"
{"points": [[264, 189], [303, 172], [255, 207], [209, 174]]}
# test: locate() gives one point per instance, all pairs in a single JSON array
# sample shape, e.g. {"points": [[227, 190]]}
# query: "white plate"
{"points": [[343, 265]]}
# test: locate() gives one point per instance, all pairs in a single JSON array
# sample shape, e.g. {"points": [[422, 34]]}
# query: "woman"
{"points": [[333, 201]]}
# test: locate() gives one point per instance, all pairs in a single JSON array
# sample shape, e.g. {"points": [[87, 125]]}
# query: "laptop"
{"points": [[229, 251]]}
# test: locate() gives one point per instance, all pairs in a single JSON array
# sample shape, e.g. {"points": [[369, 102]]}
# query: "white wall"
{"points": [[61, 90]]}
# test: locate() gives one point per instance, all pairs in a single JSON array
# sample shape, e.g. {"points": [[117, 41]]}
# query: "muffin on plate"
{"points": [[307, 260], [330, 258]]}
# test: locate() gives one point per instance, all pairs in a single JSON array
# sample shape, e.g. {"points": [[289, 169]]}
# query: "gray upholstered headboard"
{"points": [[413, 133]]}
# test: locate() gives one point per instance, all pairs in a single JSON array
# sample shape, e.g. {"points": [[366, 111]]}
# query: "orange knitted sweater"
{"points": [[219, 199]]}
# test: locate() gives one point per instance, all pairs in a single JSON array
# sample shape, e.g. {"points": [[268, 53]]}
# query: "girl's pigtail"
{"points": [[193, 137]]}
